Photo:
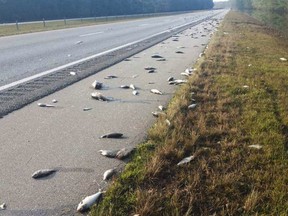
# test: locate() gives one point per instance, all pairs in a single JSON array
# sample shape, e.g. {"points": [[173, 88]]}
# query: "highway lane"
{"points": [[22, 56]]}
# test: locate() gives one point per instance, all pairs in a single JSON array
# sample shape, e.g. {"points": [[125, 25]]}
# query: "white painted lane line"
{"points": [[83, 60], [90, 34]]}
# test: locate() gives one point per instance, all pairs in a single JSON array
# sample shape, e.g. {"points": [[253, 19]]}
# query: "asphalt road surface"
{"points": [[25, 55], [66, 137]]}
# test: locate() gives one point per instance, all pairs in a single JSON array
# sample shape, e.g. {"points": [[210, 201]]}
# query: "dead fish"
{"points": [[97, 85], [3, 206], [109, 153], [156, 56], [192, 106], [45, 105], [201, 54], [149, 68], [72, 73], [87, 108], [156, 91], [162, 59], [99, 96], [283, 59], [125, 86], [110, 77], [168, 122], [151, 71], [132, 87], [88, 201], [157, 114], [124, 153], [54, 101], [186, 160], [161, 108], [135, 92], [255, 146], [177, 82], [179, 52], [185, 74], [245, 86], [175, 40], [112, 135], [79, 42], [170, 79], [43, 173], [108, 174]]}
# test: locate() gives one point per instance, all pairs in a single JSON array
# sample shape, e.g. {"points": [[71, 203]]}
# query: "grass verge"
{"points": [[241, 93]]}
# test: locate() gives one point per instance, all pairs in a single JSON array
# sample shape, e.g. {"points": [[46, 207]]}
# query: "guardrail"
{"points": [[102, 18]]}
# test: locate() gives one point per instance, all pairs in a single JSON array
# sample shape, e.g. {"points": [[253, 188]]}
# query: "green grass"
{"points": [[227, 177]]}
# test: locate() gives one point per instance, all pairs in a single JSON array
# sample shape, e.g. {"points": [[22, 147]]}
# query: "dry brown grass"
{"points": [[226, 177]]}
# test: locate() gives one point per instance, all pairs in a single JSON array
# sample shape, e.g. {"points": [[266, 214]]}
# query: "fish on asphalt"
{"points": [[150, 68], [108, 174], [109, 153], [110, 77], [87, 108], [54, 101], [72, 73], [112, 135], [156, 91], [151, 71], [170, 79], [43, 173], [186, 160], [161, 59], [97, 85], [132, 86], [162, 108], [89, 201], [156, 56], [179, 52], [99, 96], [157, 114], [125, 86], [3, 206], [135, 92], [45, 105]]}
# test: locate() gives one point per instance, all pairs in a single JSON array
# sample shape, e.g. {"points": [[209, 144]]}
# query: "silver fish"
{"points": [[45, 105], [179, 52], [132, 86], [108, 174], [97, 85], [112, 135], [135, 92], [99, 96], [88, 201], [170, 79], [43, 173], [156, 91], [110, 77], [192, 106], [161, 108], [156, 56], [109, 153], [186, 160], [87, 108], [3, 206], [149, 68], [125, 86]]}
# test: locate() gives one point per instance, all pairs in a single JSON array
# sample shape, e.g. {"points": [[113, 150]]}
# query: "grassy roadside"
{"points": [[241, 93]]}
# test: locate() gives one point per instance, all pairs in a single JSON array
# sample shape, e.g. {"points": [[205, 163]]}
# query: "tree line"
{"points": [[277, 5], [30, 10]]}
